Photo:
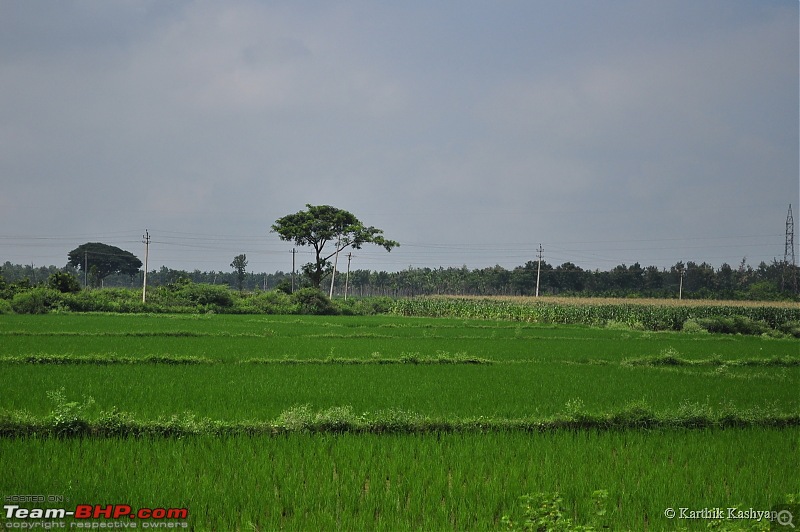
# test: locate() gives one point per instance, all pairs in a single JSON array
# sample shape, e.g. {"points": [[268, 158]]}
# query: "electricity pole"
{"points": [[539, 270], [335, 261], [347, 277], [146, 241], [293, 252]]}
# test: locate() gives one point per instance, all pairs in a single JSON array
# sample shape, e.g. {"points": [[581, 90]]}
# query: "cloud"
{"points": [[512, 122]]}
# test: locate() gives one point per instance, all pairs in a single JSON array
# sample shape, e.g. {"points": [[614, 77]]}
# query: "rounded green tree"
{"points": [[322, 224], [102, 260]]}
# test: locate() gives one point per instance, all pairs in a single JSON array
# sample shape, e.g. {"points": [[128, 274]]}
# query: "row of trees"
{"points": [[328, 231], [764, 282], [691, 280]]}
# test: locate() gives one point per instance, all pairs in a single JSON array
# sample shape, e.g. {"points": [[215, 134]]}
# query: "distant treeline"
{"points": [[773, 281]]}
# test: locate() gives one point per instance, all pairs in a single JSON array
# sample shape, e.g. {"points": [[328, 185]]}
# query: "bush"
{"points": [[85, 301], [546, 511], [285, 286], [792, 328], [313, 301], [69, 418], [64, 282], [365, 307], [5, 307], [272, 302], [206, 294], [299, 417], [733, 325], [36, 301], [105, 300], [692, 327]]}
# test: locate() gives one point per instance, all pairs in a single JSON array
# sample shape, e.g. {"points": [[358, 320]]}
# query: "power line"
{"points": [[188, 248]]}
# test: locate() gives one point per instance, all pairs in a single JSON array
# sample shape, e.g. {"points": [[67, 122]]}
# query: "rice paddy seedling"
{"points": [[401, 481], [391, 422]]}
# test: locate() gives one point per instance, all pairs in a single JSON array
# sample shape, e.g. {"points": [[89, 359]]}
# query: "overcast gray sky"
{"points": [[608, 131]]}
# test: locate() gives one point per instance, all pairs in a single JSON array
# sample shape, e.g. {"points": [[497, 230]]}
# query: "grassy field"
{"points": [[476, 407]]}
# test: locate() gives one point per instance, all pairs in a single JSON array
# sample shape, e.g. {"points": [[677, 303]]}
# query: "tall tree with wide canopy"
{"points": [[239, 265], [322, 224], [103, 260]]}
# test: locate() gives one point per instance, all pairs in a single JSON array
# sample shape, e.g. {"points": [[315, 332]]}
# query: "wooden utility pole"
{"points": [[347, 277], [146, 237], [539, 270], [293, 252], [335, 262]]}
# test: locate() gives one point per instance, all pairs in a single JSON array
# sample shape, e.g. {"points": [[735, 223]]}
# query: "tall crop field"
{"points": [[645, 314]]}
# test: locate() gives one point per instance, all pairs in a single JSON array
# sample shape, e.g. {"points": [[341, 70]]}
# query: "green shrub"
{"points": [[545, 511], [5, 307], [733, 325], [105, 300], [64, 282], [336, 419], [792, 328], [84, 301], [9, 290], [272, 302], [298, 417], [313, 301], [284, 286], [116, 423], [36, 301], [692, 327], [90, 301], [364, 307], [206, 294], [69, 418], [634, 414]]}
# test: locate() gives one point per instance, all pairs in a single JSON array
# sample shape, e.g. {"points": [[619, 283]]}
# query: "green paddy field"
{"points": [[259, 422]]}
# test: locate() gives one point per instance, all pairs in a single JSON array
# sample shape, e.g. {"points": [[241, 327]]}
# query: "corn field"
{"points": [[654, 315]]}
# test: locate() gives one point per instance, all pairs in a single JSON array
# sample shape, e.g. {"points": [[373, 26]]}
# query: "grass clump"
{"points": [[691, 326], [68, 418], [546, 512], [671, 358], [333, 419], [75, 419]]}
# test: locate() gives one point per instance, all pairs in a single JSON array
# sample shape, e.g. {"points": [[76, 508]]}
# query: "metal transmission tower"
{"points": [[788, 251]]}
